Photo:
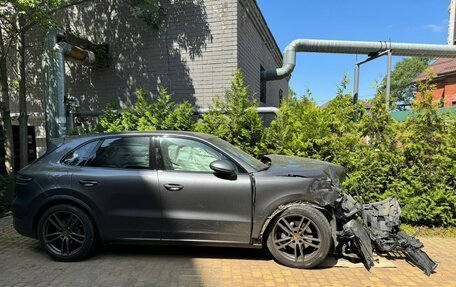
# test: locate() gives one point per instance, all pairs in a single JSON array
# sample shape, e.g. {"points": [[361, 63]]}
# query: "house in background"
{"points": [[193, 53], [444, 73]]}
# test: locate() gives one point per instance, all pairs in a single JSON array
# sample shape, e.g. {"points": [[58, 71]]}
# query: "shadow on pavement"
{"points": [[182, 251]]}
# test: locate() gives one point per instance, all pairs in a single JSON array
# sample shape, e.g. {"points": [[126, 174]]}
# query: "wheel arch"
{"points": [[66, 199], [327, 213]]}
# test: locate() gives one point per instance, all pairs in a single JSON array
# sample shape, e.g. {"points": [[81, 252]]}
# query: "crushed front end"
{"points": [[363, 229], [358, 230]]}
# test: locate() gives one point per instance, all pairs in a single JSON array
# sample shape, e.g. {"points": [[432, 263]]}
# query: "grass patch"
{"points": [[424, 231]]}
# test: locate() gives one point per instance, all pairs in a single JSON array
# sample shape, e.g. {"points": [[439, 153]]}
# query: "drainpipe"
{"points": [[352, 47], [53, 65]]}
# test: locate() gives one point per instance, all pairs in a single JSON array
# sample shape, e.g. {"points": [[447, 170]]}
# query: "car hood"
{"points": [[282, 165]]}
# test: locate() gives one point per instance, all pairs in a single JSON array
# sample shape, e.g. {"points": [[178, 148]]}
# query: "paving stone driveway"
{"points": [[23, 263]]}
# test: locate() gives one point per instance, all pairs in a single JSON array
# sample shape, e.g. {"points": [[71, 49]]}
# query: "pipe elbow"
{"points": [[277, 74]]}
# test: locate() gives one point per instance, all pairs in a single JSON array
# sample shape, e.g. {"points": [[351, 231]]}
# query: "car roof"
{"points": [[139, 133]]}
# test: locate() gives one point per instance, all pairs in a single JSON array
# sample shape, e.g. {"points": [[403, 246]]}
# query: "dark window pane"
{"points": [[127, 152], [80, 156], [187, 155]]}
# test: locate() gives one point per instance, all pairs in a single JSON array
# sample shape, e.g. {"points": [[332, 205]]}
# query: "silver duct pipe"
{"points": [[54, 85], [199, 111], [352, 47], [260, 110], [53, 65]]}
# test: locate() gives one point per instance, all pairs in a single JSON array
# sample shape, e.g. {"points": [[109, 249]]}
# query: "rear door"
{"points": [[120, 179], [197, 205]]}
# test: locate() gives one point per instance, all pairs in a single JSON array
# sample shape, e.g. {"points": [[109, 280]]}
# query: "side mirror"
{"points": [[223, 166]]}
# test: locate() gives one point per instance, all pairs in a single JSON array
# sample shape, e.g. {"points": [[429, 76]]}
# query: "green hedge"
{"points": [[414, 160]]}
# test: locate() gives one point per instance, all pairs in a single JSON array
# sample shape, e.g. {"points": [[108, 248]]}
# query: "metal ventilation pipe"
{"points": [[53, 64], [260, 110], [352, 47]]}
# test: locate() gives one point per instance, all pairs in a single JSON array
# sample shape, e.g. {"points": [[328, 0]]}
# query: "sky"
{"points": [[411, 21]]}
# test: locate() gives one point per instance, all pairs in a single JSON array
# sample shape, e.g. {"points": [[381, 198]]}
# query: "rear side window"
{"points": [[81, 155], [122, 152]]}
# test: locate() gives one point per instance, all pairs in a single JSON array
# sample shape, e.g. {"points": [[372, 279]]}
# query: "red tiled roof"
{"points": [[440, 67]]}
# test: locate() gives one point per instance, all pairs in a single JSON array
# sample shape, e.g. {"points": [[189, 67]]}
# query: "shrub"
{"points": [[426, 183], [414, 161], [147, 115], [234, 118]]}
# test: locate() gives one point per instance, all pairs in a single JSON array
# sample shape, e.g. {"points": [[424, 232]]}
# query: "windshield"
{"points": [[237, 152]]}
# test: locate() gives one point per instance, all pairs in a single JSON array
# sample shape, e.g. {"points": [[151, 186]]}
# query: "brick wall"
{"points": [[193, 54], [256, 50], [445, 89], [449, 95]]}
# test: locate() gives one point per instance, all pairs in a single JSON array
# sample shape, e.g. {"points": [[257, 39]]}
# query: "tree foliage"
{"points": [[403, 89], [414, 160], [234, 118], [146, 115], [148, 10]]}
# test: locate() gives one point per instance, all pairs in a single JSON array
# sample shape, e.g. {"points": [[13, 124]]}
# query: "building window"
{"points": [[453, 104], [280, 96], [262, 87]]}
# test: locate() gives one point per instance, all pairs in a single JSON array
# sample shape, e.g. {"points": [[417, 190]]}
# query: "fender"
{"points": [[91, 209], [284, 207]]}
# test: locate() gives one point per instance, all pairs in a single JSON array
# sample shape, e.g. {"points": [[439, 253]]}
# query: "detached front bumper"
{"points": [[376, 227]]}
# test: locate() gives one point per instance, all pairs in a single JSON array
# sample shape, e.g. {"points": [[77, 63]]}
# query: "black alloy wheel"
{"points": [[66, 233], [300, 237]]}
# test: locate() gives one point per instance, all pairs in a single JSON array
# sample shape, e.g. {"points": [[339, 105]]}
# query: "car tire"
{"points": [[299, 237], [66, 233]]}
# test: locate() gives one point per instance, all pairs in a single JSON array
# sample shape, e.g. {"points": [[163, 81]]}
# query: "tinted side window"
{"points": [[187, 155], [80, 156], [123, 152]]}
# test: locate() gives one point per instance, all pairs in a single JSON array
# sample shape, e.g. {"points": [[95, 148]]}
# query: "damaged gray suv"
{"points": [[198, 189]]}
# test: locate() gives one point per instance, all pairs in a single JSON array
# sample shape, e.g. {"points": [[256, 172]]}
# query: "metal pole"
{"points": [[356, 88], [355, 92], [388, 79], [356, 82]]}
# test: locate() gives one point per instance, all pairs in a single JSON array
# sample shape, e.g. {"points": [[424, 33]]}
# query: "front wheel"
{"points": [[66, 233], [300, 237]]}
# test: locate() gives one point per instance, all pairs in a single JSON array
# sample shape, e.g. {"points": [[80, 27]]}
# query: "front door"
{"points": [[198, 205]]}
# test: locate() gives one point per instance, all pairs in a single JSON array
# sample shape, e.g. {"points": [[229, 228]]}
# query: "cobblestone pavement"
{"points": [[24, 263]]}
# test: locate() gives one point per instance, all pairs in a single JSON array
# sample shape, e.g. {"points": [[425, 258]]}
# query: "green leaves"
{"points": [[402, 87], [148, 10], [414, 161], [147, 115], [234, 118]]}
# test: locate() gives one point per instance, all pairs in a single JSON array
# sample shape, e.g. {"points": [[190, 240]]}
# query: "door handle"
{"points": [[86, 182], [173, 187]]}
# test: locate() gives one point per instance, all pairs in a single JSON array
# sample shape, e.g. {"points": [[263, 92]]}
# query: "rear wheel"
{"points": [[300, 237], [66, 233]]}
